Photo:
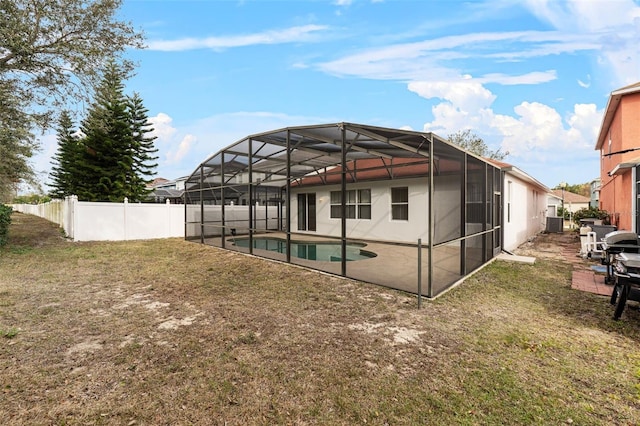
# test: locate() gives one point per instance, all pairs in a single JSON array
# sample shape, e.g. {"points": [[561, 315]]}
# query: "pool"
{"points": [[310, 250]]}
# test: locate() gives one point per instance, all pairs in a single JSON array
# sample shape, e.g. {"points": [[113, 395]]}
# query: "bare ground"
{"points": [[172, 332]]}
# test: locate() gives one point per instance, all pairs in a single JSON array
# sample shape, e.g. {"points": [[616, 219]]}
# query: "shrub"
{"points": [[591, 212], [5, 220], [31, 199]]}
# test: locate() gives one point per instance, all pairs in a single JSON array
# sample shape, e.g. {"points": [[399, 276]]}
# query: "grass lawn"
{"points": [[172, 332]]}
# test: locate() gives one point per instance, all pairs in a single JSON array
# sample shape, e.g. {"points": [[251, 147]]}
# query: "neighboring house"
{"points": [[595, 193], [572, 202], [157, 182], [164, 190], [618, 142], [431, 212], [177, 184]]}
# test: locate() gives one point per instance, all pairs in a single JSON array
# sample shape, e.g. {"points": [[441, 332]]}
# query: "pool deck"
{"points": [[395, 265]]}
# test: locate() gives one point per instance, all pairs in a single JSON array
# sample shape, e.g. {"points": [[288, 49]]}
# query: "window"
{"points": [[364, 204], [400, 203], [358, 203]]}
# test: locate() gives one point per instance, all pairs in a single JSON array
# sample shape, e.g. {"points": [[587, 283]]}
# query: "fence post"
{"points": [[169, 227], [419, 273], [124, 208], [74, 213]]}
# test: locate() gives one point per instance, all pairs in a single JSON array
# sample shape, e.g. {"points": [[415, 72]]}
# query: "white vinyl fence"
{"points": [[92, 221]]}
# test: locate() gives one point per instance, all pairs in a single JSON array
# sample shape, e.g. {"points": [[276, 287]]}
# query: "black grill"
{"points": [[626, 275]]}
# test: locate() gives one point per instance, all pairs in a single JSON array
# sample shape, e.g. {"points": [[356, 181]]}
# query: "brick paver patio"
{"points": [[584, 278]]}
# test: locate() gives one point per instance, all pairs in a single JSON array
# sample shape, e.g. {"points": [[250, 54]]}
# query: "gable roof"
{"points": [[570, 197], [612, 105]]}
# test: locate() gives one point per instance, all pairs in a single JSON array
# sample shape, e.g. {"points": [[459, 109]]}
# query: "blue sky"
{"points": [[530, 77]]}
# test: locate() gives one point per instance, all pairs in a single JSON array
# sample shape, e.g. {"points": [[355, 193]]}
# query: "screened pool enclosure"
{"points": [[398, 208]]}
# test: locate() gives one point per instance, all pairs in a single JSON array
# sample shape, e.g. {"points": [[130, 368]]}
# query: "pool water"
{"points": [[319, 251]]}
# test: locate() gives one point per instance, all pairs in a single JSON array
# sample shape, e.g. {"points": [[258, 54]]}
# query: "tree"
{"points": [[106, 158], [142, 149], [471, 142], [17, 145], [31, 199], [583, 189], [113, 159], [51, 53], [65, 171]]}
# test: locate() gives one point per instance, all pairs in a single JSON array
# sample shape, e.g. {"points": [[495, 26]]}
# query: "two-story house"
{"points": [[619, 146]]}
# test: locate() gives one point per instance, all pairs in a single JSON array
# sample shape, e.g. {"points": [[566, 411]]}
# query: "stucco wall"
{"points": [[616, 193], [617, 199], [524, 212], [380, 227], [527, 217]]}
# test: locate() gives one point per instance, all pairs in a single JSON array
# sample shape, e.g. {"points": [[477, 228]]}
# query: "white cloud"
{"points": [[537, 128], [535, 77], [467, 95], [586, 84], [172, 144], [608, 29], [535, 132], [162, 128], [613, 25], [207, 136], [433, 59], [176, 155], [288, 35], [585, 15]]}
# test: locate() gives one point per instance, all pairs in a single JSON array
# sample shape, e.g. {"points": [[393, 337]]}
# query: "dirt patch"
{"points": [[550, 245]]}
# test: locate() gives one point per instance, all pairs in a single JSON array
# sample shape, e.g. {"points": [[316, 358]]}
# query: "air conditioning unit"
{"points": [[554, 224]]}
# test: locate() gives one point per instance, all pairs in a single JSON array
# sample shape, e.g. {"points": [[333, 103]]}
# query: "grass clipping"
{"points": [[172, 332]]}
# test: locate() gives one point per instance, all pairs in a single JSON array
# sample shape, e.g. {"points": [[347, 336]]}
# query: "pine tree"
{"points": [[63, 172], [142, 150], [106, 161], [116, 155]]}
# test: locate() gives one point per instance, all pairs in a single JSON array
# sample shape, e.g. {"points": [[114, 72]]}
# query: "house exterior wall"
{"points": [[380, 227], [616, 191], [527, 216], [574, 207], [553, 206], [524, 211], [617, 199]]}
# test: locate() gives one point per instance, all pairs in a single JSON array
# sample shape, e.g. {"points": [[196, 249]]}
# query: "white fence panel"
{"points": [[99, 222], [89, 221]]}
